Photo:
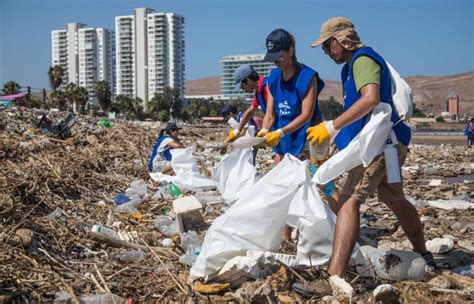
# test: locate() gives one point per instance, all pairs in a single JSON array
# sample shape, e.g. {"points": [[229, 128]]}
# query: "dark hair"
{"points": [[253, 76]]}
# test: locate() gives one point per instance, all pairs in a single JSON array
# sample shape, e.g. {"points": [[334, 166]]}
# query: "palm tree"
{"points": [[70, 93], [58, 99], [55, 76], [11, 88], [102, 92], [81, 98]]}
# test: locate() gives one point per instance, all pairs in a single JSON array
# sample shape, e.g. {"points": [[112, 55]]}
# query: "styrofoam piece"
{"points": [[186, 204], [435, 182], [440, 245], [340, 288], [451, 204], [246, 142]]}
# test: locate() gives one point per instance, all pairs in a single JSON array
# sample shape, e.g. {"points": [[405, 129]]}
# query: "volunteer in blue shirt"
{"points": [[160, 158], [292, 97], [247, 79], [366, 82]]}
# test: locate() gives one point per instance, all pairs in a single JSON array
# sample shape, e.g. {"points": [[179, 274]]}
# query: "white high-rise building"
{"points": [[231, 63], [86, 55], [149, 53]]}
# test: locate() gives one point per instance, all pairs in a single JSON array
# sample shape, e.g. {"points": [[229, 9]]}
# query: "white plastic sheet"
{"points": [[256, 220], [246, 142], [187, 175], [369, 143], [235, 175]]}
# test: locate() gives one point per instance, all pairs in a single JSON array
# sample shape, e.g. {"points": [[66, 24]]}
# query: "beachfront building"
{"points": [[86, 55], [149, 53], [231, 63]]}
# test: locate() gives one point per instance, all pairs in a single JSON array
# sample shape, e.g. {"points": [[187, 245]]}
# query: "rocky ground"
{"points": [[52, 191]]}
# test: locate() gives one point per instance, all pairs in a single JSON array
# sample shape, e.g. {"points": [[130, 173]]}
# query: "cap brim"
{"points": [[319, 41], [272, 57], [238, 86]]}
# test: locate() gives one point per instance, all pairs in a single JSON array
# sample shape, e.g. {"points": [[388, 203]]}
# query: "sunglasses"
{"points": [[326, 46]]}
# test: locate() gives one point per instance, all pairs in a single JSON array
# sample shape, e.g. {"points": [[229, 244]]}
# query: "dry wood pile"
{"points": [[52, 191]]}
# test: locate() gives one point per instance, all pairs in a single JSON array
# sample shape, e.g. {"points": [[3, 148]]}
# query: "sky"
{"points": [[418, 37]]}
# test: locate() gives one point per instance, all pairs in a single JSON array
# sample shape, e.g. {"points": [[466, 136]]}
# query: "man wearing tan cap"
{"points": [[366, 82]]}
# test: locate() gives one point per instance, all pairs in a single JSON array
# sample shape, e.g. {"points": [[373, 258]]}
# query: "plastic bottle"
{"points": [[162, 221], [131, 256], [174, 190], [105, 298], [124, 236], [390, 264], [319, 151], [392, 166], [170, 230], [192, 244], [190, 238]]}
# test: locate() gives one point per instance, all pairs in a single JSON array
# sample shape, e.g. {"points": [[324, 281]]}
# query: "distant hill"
{"points": [[430, 93]]}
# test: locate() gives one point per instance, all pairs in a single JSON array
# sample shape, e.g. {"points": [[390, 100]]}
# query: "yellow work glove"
{"points": [[233, 134], [272, 138], [321, 132], [262, 132]]}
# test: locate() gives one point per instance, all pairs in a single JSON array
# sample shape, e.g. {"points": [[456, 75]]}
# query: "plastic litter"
{"points": [[106, 298], [124, 236], [246, 142], [451, 204], [431, 169], [256, 220], [121, 198], [174, 190], [187, 175], [167, 242], [131, 256], [319, 151], [466, 270], [162, 221], [104, 123], [137, 194], [440, 245], [394, 265]]}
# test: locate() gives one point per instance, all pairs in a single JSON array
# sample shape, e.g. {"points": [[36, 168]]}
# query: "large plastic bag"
{"points": [[235, 175], [369, 143], [256, 220], [187, 175]]}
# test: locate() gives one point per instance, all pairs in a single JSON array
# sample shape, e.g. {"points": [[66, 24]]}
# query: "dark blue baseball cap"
{"points": [[172, 126], [240, 74], [278, 41]]}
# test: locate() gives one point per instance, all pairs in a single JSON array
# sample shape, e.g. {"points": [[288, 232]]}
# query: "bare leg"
{"points": [[410, 222], [336, 204], [345, 236]]}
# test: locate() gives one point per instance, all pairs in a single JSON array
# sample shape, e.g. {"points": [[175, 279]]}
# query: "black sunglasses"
{"points": [[326, 46]]}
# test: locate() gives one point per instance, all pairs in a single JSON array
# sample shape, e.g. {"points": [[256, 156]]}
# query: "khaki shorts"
{"points": [[361, 182]]}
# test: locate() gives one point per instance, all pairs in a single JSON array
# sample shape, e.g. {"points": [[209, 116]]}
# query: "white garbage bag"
{"points": [[235, 175], [369, 143], [315, 223], [255, 221], [187, 175]]}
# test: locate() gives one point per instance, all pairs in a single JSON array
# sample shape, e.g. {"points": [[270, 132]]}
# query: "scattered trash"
{"points": [[131, 256], [440, 245], [394, 265], [386, 293], [188, 213]]}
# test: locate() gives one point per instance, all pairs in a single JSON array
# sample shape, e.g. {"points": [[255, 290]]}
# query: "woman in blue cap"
{"points": [[160, 158], [292, 97]]}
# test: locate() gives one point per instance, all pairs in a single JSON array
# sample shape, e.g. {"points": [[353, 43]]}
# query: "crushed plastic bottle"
{"points": [[105, 298], [319, 151], [431, 169], [170, 230], [162, 221], [124, 236], [121, 198], [174, 190], [137, 194], [394, 265], [131, 256], [163, 192]]}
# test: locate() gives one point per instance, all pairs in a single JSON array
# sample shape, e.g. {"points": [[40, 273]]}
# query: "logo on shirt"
{"points": [[284, 108]]}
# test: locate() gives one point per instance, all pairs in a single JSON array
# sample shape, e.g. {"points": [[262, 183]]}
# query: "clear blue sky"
{"points": [[418, 37]]}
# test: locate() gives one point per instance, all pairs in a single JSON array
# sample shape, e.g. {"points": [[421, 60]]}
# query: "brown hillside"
{"points": [[430, 93]]}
